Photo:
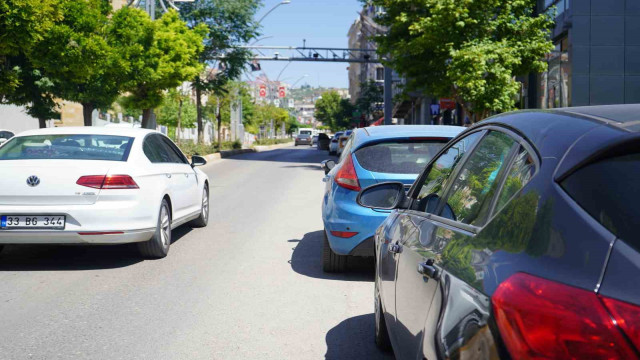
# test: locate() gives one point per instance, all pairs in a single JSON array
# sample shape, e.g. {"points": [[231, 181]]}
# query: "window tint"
{"points": [[155, 149], [469, 200], [67, 147], [436, 181], [610, 192], [175, 153], [398, 157], [520, 173]]}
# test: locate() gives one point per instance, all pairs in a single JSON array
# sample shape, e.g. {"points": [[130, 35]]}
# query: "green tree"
{"points": [[158, 55], [34, 91], [466, 49], [334, 111], [76, 55], [229, 23], [23, 23], [177, 111]]}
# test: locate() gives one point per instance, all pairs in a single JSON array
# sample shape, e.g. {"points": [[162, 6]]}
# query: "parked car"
{"points": [[323, 141], [303, 139], [342, 141], [333, 146], [99, 186], [5, 135], [519, 240], [314, 140], [372, 155]]}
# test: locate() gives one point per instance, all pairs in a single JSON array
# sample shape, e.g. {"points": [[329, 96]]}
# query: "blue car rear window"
{"points": [[399, 157]]}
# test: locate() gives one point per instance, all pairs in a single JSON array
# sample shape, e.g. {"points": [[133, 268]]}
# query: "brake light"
{"points": [[344, 234], [627, 316], [346, 176], [108, 182], [542, 319]]}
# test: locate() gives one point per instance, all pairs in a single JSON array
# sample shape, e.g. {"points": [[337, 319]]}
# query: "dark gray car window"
{"points": [[609, 191], [519, 175], [469, 200], [434, 185]]}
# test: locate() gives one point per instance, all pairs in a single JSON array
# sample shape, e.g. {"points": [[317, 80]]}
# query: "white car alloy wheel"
{"points": [[203, 219], [158, 246]]}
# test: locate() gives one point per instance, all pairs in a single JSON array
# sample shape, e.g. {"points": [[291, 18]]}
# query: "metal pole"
{"points": [[388, 96]]}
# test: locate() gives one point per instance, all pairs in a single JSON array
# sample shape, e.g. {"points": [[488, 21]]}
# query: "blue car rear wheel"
{"points": [[332, 262]]}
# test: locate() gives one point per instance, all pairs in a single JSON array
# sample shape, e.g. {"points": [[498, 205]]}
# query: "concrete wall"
{"points": [[15, 119]]}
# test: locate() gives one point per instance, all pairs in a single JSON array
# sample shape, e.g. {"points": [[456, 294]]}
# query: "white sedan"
{"points": [[99, 186]]}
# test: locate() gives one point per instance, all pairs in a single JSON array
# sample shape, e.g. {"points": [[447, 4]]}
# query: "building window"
{"points": [[380, 74], [560, 6]]}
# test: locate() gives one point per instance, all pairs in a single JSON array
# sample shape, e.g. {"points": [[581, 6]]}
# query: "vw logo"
{"points": [[33, 181]]}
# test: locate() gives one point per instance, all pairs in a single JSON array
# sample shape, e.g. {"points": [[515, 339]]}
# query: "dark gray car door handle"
{"points": [[395, 248], [427, 269]]}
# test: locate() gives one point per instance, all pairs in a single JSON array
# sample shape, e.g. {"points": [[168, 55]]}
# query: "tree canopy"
{"points": [[465, 49], [333, 111]]}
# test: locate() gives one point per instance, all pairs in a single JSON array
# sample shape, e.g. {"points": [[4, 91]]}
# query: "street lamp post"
{"points": [[283, 2]]}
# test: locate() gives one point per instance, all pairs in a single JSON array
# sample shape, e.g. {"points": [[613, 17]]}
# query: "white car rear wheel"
{"points": [[158, 246]]}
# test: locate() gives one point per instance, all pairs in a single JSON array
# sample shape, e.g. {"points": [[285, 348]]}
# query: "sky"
{"points": [[323, 23]]}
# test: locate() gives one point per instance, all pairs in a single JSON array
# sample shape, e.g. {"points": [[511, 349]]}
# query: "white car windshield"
{"points": [[69, 147]]}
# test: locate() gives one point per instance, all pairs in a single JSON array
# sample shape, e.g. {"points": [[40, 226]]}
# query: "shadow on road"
{"points": [[72, 257], [308, 166], [307, 260], [353, 339], [288, 155]]}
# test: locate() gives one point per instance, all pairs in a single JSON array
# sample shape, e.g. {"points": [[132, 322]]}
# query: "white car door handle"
{"points": [[169, 176]]}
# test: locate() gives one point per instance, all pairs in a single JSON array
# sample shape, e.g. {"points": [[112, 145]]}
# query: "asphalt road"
{"points": [[249, 286]]}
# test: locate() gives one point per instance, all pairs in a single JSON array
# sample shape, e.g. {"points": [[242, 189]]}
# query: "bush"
{"points": [[272, 141], [190, 149]]}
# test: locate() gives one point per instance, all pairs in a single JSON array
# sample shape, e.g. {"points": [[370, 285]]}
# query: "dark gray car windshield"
{"points": [[67, 147], [399, 157]]}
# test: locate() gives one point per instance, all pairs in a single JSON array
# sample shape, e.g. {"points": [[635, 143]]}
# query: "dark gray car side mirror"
{"points": [[384, 196], [327, 165], [197, 160]]}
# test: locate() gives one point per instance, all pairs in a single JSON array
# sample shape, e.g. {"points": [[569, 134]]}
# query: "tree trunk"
{"points": [[42, 122], [146, 118], [219, 121], [87, 111], [199, 114], [179, 120]]}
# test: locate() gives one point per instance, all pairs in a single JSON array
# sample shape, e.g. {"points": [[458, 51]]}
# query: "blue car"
{"points": [[371, 155]]}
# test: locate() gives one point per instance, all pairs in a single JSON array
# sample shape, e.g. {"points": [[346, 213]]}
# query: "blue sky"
{"points": [[324, 23]]}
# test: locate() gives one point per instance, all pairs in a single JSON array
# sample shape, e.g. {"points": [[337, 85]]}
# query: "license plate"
{"points": [[10, 222]]}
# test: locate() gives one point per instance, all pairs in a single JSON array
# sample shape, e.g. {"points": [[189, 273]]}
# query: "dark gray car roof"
{"points": [[623, 116]]}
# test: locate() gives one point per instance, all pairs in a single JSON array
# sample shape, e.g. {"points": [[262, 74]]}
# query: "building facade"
{"points": [[596, 60]]}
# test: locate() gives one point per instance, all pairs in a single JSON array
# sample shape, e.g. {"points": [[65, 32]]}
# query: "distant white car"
{"points": [[99, 186], [5, 135]]}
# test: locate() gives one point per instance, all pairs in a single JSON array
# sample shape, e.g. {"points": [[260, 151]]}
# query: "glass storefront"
{"points": [[555, 83]]}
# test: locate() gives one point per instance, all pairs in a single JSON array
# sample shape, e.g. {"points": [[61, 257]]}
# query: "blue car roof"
{"points": [[376, 133]]}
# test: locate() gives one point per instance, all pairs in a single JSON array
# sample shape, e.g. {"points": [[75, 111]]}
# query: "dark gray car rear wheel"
{"points": [[332, 262], [158, 246]]}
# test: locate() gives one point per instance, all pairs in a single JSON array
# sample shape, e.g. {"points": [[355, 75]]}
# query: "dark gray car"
{"points": [[519, 240], [304, 139]]}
